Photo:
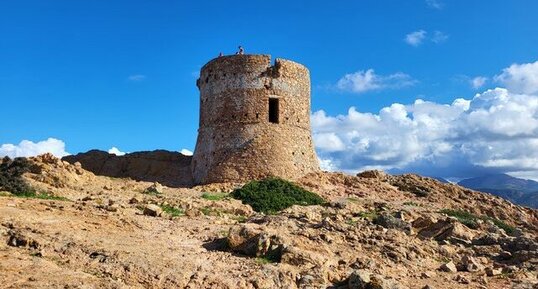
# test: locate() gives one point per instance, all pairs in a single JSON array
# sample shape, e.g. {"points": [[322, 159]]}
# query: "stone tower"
{"points": [[254, 120]]}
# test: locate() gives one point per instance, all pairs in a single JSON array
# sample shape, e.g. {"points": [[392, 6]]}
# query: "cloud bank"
{"points": [[115, 151], [28, 148], [495, 131], [186, 152]]}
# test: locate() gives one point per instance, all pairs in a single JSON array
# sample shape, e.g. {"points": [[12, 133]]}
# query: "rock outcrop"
{"points": [[169, 168]]}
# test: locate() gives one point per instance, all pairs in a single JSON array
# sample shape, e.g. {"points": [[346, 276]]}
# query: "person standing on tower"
{"points": [[241, 50]]}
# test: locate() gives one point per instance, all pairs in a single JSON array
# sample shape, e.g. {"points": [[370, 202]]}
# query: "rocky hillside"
{"points": [[376, 231]]}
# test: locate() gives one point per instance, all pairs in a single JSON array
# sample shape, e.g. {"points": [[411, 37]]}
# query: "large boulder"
{"points": [[251, 240], [448, 229]]}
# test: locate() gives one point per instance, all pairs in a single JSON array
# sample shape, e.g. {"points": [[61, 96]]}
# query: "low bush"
{"points": [[11, 180], [272, 195], [172, 211], [214, 197]]}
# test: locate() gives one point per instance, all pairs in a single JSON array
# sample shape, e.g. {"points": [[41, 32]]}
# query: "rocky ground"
{"points": [[377, 231]]}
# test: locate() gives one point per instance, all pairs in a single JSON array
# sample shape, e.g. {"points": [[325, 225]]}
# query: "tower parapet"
{"points": [[254, 120]]}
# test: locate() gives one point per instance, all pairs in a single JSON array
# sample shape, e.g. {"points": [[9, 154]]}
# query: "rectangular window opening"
{"points": [[273, 110]]}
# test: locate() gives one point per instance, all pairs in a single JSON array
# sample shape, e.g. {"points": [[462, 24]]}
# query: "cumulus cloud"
{"points": [[28, 148], [363, 81], [478, 82], [435, 4], [115, 151], [136, 77], [415, 38], [494, 131], [186, 152], [520, 78]]}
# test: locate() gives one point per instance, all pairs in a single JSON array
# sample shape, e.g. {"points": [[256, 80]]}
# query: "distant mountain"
{"points": [[442, 180], [519, 191]]}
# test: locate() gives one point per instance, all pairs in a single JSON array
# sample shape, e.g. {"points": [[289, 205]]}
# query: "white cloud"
{"points": [[520, 78], [28, 148], [439, 37], [495, 131], [136, 77], [115, 151], [478, 82], [326, 165], [186, 152], [435, 4], [415, 38], [362, 81]]}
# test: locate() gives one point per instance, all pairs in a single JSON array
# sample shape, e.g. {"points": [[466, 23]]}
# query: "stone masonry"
{"points": [[254, 120]]}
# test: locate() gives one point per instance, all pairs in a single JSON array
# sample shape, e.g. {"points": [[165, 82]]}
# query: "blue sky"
{"points": [[102, 74]]}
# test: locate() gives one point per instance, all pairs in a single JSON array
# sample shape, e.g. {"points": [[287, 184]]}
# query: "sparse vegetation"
{"points": [[172, 211], [507, 228], [411, 204], [239, 218], [43, 196], [464, 217], [214, 196], [471, 220], [208, 211], [272, 195], [370, 215], [263, 261]]}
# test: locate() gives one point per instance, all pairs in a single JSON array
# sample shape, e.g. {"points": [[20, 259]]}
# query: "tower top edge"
{"points": [[250, 59]]}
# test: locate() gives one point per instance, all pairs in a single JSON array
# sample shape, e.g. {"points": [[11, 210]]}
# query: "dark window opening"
{"points": [[273, 110]]}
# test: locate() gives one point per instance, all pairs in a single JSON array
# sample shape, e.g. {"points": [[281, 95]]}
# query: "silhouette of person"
{"points": [[241, 50]]}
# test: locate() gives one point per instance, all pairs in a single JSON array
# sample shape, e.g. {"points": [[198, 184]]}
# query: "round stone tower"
{"points": [[254, 120]]}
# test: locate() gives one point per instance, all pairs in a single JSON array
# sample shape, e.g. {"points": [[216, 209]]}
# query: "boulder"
{"points": [[373, 174], [469, 264], [152, 210], [490, 271], [362, 279], [155, 188], [359, 279], [390, 222], [251, 240], [449, 267], [449, 230]]}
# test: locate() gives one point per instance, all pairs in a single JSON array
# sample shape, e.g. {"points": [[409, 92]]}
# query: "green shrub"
{"points": [[370, 215], [272, 195], [470, 220], [214, 197], [172, 211], [464, 217], [11, 172], [507, 228]]}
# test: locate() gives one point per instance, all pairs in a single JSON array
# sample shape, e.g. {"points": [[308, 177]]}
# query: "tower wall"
{"points": [[236, 140]]}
